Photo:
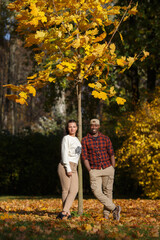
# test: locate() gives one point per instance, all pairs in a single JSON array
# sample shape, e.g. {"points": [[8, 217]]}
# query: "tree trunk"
{"points": [[80, 193], [135, 85], [151, 79]]}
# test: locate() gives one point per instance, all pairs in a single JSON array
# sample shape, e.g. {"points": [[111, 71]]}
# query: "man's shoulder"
{"points": [[85, 137], [103, 136]]}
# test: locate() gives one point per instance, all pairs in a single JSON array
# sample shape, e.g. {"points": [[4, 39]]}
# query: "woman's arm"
{"points": [[64, 153]]}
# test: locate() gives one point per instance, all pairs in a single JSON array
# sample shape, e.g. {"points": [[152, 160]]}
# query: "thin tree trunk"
{"points": [[135, 85], [151, 79], [80, 193]]}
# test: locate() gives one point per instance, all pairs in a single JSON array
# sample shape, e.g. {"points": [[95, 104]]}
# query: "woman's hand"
{"points": [[69, 174]]}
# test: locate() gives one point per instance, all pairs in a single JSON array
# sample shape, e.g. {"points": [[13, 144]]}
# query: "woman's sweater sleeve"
{"points": [[64, 153]]}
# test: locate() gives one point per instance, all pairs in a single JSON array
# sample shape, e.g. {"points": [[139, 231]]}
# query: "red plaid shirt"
{"points": [[97, 150]]}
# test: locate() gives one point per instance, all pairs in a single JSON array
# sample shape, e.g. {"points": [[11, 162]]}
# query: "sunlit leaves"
{"points": [[39, 34], [31, 90], [112, 48], [71, 39], [121, 61], [134, 9], [146, 54], [120, 100], [141, 150], [36, 219], [100, 95]]}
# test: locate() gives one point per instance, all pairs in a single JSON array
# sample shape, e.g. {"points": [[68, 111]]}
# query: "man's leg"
{"points": [[96, 186], [107, 186]]}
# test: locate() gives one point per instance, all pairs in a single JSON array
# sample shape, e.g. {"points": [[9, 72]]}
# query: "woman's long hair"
{"points": [[71, 121]]}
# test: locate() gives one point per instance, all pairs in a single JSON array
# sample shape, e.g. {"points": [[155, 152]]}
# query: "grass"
{"points": [[34, 218]]}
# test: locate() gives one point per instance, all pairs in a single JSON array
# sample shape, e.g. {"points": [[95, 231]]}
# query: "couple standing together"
{"points": [[98, 158]]}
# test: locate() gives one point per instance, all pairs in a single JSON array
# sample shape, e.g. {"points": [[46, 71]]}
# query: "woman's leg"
{"points": [[65, 182], [73, 190]]}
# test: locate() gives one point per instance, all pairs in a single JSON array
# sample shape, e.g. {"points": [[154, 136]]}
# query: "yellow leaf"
{"points": [[34, 9], [13, 87], [100, 95], [23, 95], [87, 227], [40, 34], [34, 22], [76, 43], [99, 20], [31, 90], [98, 85], [112, 48], [133, 10], [58, 19], [125, 18], [32, 77], [51, 79], [112, 91], [146, 54], [99, 50], [92, 32], [59, 34], [121, 37], [60, 67], [21, 101], [100, 38], [120, 100], [121, 61], [130, 61]]}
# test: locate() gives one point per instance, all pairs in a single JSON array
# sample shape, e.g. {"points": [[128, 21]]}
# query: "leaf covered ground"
{"points": [[34, 218]]}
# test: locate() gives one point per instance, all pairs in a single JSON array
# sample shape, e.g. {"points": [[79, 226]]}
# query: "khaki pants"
{"points": [[69, 185], [101, 182]]}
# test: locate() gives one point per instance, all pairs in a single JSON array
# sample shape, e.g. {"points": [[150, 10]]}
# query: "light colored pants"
{"points": [[69, 185], [101, 182]]}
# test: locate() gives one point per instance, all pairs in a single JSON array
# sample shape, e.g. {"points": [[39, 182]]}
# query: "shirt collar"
{"points": [[90, 135]]}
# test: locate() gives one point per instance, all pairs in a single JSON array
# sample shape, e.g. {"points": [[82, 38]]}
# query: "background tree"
{"points": [[141, 31], [139, 154]]}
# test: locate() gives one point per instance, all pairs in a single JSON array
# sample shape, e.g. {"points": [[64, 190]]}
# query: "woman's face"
{"points": [[72, 128]]}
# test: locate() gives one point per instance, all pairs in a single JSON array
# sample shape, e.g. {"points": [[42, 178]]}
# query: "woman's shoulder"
{"points": [[65, 138]]}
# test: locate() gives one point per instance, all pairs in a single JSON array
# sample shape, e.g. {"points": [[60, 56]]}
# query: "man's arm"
{"points": [[85, 155], [87, 165], [113, 161]]}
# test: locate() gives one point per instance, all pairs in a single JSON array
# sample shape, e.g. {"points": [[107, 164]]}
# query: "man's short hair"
{"points": [[95, 121]]}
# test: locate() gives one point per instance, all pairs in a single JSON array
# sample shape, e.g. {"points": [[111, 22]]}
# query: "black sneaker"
{"points": [[61, 215], [69, 216], [116, 213]]}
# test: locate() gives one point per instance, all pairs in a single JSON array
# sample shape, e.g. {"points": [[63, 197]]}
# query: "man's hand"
{"points": [[69, 174], [113, 161], [87, 165]]}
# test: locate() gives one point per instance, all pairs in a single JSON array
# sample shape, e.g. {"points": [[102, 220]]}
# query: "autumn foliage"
{"points": [[140, 152], [72, 39], [36, 219]]}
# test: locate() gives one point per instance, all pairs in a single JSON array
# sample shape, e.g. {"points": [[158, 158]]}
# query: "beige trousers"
{"points": [[101, 182], [69, 185]]}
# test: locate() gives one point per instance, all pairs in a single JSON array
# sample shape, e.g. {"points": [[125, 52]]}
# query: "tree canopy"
{"points": [[73, 39]]}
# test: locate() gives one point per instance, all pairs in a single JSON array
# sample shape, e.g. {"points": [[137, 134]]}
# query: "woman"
{"points": [[67, 168]]}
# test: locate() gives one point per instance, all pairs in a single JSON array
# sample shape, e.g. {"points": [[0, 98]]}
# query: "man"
{"points": [[98, 157]]}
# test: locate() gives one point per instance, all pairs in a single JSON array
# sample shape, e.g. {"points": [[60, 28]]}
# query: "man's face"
{"points": [[94, 128]]}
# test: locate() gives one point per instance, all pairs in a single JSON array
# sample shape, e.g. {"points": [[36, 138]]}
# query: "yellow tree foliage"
{"points": [[141, 151], [69, 39]]}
